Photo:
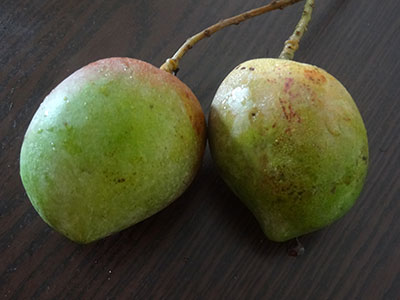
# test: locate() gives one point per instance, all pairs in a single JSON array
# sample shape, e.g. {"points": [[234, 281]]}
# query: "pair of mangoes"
{"points": [[119, 140]]}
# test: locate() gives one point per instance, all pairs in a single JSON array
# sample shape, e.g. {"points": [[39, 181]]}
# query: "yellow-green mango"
{"points": [[289, 140]]}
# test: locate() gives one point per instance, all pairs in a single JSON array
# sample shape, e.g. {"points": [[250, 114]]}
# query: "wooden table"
{"points": [[206, 245]]}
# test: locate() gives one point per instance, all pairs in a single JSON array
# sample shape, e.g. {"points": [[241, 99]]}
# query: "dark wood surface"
{"points": [[206, 245]]}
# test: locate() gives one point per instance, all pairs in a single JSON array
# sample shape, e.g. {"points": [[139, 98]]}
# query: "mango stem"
{"points": [[292, 44], [172, 64]]}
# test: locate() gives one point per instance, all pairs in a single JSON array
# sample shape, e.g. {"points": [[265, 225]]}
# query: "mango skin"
{"points": [[289, 140], [111, 145]]}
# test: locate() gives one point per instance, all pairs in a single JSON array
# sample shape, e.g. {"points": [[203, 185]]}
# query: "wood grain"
{"points": [[206, 245]]}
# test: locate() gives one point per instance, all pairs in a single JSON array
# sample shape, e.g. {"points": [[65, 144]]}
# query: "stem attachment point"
{"points": [[292, 44], [297, 250]]}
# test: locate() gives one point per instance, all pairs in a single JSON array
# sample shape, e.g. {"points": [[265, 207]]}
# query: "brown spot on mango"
{"points": [[288, 111], [252, 114], [333, 189], [315, 76]]}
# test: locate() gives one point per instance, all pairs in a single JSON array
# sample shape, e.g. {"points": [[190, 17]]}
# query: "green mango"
{"points": [[289, 140], [111, 145]]}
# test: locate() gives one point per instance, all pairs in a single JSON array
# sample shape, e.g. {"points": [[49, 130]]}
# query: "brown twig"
{"points": [[172, 64], [292, 44]]}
